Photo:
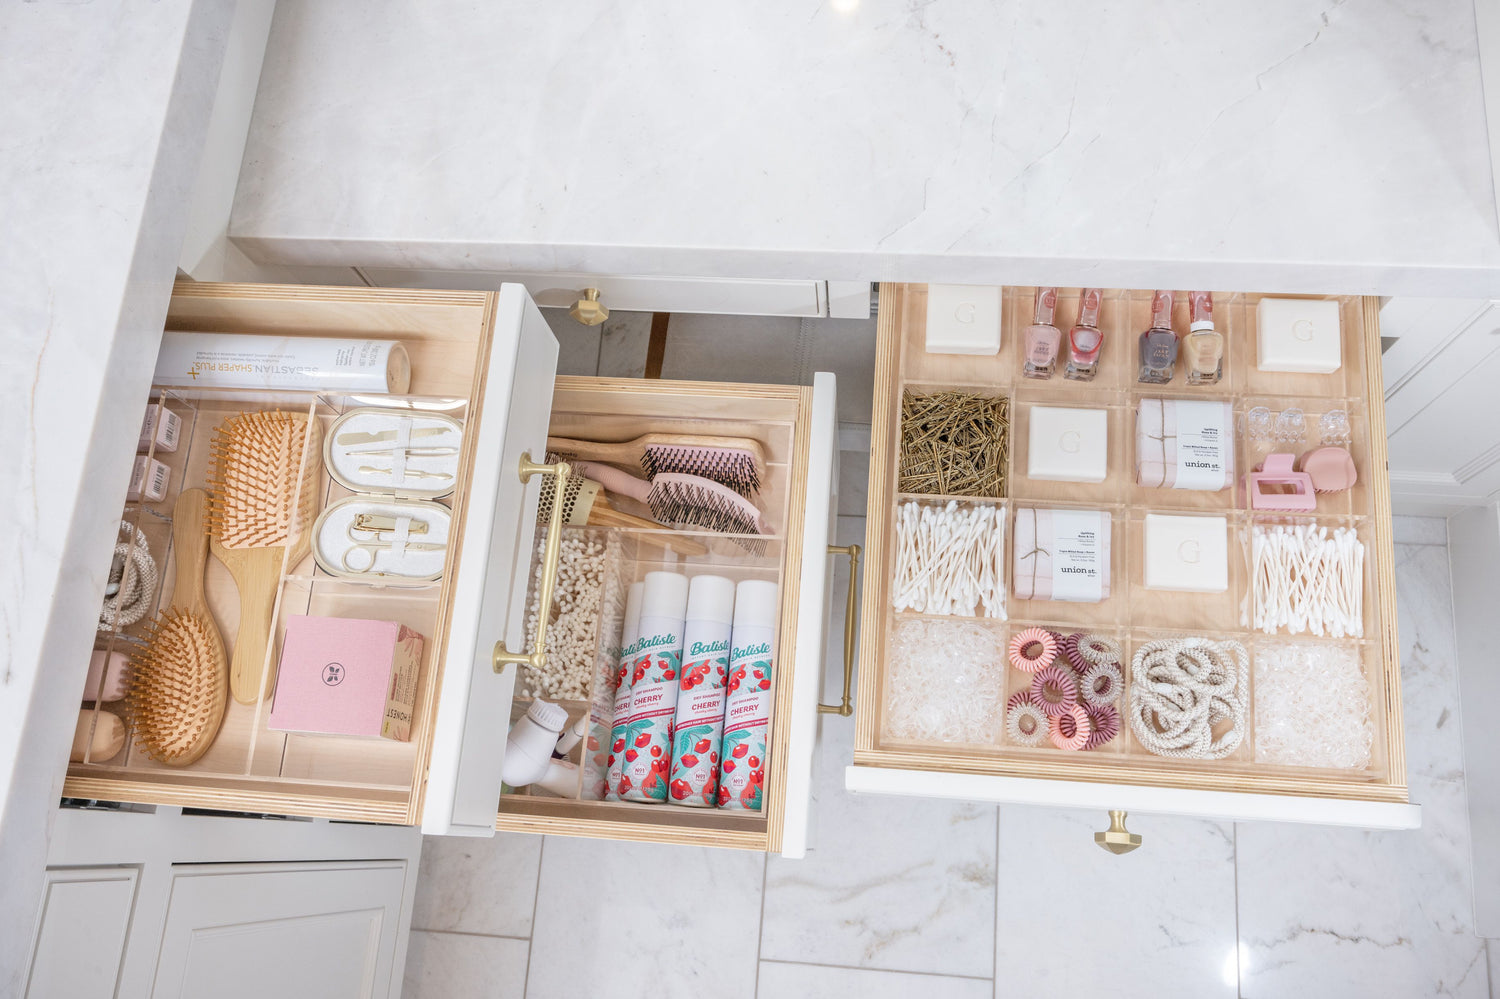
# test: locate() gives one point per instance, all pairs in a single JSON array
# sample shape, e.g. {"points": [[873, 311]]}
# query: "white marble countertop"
{"points": [[1277, 146], [101, 129]]}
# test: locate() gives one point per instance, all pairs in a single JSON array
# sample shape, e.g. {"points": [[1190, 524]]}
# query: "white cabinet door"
{"points": [[253, 931], [81, 932]]}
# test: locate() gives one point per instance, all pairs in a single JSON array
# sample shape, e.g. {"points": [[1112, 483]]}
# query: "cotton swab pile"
{"points": [[1305, 578], [950, 559]]}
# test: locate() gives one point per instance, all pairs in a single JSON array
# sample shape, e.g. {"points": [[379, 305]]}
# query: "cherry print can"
{"points": [[699, 724], [653, 689], [614, 698], [747, 707]]}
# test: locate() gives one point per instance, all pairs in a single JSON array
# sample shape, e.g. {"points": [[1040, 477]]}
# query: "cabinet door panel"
{"points": [[81, 931], [322, 931]]}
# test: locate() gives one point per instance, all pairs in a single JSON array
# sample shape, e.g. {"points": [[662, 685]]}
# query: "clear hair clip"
{"points": [[1333, 428], [1258, 424], [1291, 427]]}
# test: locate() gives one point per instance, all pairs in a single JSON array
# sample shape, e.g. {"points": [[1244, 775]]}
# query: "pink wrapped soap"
{"points": [[1061, 555], [1184, 444]]}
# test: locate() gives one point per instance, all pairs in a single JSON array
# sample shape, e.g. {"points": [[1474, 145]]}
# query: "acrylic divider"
{"points": [[1135, 614]]}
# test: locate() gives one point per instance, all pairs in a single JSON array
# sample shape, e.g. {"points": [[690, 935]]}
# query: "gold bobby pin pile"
{"points": [[954, 444]]}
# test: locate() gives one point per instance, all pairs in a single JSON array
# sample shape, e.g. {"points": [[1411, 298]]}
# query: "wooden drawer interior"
{"points": [[1133, 615], [621, 409], [249, 766]]}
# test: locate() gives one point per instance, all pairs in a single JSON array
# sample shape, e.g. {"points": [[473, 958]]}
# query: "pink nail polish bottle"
{"points": [[1042, 337], [1085, 339]]}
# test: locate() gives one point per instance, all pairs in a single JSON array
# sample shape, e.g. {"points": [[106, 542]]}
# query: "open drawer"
{"points": [[899, 750], [486, 361]]}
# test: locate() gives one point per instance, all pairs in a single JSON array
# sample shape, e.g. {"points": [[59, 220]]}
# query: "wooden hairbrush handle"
{"points": [[256, 572], [190, 547]]}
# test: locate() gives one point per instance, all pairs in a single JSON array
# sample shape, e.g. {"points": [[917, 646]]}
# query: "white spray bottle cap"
{"points": [[755, 604], [711, 598], [664, 596], [632, 627]]}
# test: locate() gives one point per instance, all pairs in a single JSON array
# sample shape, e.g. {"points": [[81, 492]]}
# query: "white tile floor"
{"points": [[908, 897]]}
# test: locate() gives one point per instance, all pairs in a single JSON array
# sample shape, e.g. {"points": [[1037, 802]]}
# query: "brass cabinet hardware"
{"points": [[851, 628], [537, 657], [1117, 839], [588, 309]]}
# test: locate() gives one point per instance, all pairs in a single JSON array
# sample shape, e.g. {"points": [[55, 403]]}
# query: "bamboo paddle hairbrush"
{"points": [[265, 497], [736, 462], [178, 685]]}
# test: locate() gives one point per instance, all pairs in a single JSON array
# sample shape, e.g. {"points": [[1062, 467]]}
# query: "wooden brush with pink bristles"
{"points": [[265, 495]]}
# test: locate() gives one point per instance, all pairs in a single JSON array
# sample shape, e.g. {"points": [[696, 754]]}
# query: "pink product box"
{"points": [[1062, 555], [1184, 444], [347, 676]]}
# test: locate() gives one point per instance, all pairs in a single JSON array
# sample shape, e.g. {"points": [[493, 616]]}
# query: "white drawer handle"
{"points": [[537, 657], [851, 627]]}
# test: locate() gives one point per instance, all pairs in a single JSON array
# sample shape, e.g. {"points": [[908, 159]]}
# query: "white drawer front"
{"points": [[812, 613], [1227, 805], [489, 590]]}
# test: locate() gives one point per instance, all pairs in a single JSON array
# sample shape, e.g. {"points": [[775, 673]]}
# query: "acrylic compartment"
{"points": [[1001, 437], [1132, 614], [1252, 412], [1348, 380], [1018, 681], [245, 749]]}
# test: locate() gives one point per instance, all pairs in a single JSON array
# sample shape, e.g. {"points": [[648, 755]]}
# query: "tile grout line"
{"points": [[760, 929], [995, 936], [879, 971], [470, 933], [541, 854], [1239, 972]]}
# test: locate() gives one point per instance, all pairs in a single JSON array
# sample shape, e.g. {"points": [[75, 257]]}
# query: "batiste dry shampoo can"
{"points": [[747, 709], [630, 633], [653, 688], [699, 725]]}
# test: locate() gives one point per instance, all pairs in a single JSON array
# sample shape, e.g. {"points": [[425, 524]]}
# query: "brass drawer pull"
{"points": [[537, 657], [851, 627], [1117, 839]]}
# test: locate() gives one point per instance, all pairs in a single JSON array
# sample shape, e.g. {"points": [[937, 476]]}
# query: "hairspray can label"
{"points": [[619, 719], [699, 726], [653, 704], [746, 717]]}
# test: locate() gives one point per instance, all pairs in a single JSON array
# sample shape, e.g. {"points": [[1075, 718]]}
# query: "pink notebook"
{"points": [[347, 676]]}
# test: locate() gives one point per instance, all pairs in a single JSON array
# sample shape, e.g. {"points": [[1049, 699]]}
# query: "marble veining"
{"points": [[1283, 145], [101, 129]]}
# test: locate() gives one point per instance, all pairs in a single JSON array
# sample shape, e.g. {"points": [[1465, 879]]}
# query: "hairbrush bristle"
{"points": [[693, 503], [175, 692], [732, 467], [257, 463]]}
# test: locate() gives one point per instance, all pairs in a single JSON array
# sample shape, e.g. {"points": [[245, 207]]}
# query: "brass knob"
{"points": [[1117, 839], [588, 309]]}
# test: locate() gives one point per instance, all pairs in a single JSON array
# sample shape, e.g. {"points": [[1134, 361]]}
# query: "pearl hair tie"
{"points": [[1180, 688], [136, 583]]}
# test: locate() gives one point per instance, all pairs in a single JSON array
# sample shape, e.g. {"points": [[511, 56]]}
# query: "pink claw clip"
{"points": [[1291, 490]]}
